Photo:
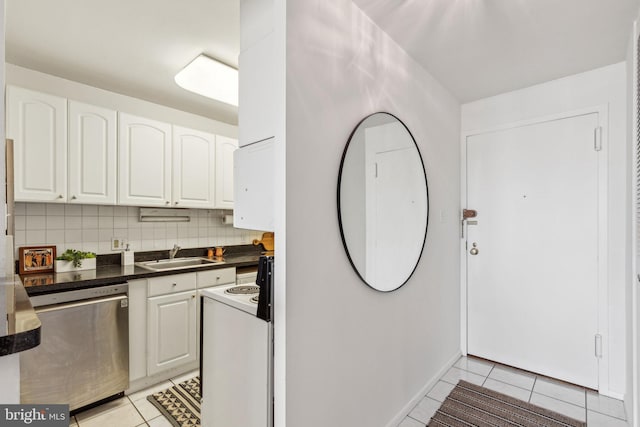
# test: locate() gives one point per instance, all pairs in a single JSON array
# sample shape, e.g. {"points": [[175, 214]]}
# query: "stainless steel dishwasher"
{"points": [[83, 356]]}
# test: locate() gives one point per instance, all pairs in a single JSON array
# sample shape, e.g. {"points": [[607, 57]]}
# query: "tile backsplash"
{"points": [[91, 228]]}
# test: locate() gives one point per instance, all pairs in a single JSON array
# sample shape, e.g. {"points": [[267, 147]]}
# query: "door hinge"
{"points": [[598, 346], [597, 138]]}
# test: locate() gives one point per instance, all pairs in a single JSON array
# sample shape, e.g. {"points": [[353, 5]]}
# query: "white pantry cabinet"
{"points": [[92, 154], [225, 147], [194, 165], [144, 165], [37, 123], [171, 322]]}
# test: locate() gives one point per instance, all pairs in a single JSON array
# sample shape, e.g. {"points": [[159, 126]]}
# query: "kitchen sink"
{"points": [[177, 263]]}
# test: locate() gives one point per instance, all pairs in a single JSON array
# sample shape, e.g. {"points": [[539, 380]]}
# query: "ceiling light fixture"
{"points": [[208, 77]]}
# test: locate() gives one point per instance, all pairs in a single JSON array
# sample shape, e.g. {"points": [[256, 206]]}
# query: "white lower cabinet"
{"points": [[164, 321], [172, 331]]}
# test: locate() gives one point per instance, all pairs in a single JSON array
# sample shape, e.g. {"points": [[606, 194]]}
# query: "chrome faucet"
{"points": [[174, 251]]}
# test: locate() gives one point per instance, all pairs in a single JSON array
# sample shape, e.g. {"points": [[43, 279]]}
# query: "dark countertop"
{"points": [[19, 324], [109, 274]]}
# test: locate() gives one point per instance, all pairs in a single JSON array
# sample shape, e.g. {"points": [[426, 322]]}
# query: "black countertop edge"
{"points": [[24, 325], [112, 274]]}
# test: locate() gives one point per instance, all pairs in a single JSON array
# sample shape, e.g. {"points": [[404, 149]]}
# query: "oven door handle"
{"points": [[56, 307]]}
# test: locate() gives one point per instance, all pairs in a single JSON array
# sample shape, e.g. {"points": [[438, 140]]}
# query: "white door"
{"points": [[193, 168], [533, 285], [92, 154], [172, 331], [144, 168], [224, 171], [37, 123]]}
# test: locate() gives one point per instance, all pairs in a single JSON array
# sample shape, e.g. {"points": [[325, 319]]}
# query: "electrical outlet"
{"points": [[118, 244]]}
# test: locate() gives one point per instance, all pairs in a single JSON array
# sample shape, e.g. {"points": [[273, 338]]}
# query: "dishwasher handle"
{"points": [[49, 308]]}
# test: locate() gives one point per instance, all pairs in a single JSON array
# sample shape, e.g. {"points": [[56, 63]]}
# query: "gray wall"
{"points": [[355, 356]]}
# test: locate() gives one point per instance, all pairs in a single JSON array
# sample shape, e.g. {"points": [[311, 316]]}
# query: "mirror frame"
{"points": [[426, 182]]}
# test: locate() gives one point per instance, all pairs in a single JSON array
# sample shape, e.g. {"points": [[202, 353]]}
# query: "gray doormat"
{"points": [[180, 404], [472, 405]]}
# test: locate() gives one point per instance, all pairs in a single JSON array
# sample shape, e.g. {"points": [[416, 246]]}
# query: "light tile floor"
{"points": [[599, 411], [573, 401], [130, 411]]}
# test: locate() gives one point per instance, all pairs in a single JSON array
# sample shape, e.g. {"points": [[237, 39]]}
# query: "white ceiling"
{"points": [[475, 48], [480, 48], [134, 47]]}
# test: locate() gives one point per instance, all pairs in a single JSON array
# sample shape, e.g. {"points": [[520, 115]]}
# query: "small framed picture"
{"points": [[36, 259]]}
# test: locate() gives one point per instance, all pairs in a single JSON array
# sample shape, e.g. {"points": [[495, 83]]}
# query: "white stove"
{"points": [[241, 301]]}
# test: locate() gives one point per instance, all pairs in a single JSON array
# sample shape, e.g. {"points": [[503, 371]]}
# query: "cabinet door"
{"points": [[256, 115], [145, 161], [193, 168], [171, 331], [92, 154], [254, 187], [37, 123], [224, 171]]}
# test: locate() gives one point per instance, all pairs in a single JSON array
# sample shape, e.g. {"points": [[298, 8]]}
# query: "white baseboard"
{"points": [[423, 391], [142, 383]]}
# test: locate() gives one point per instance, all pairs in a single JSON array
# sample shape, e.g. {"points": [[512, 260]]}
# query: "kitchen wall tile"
{"points": [[72, 236], [35, 237], [105, 235], [72, 222], [55, 209], [90, 221], [75, 226], [120, 222], [121, 233], [55, 222], [90, 235], [104, 247], [133, 222], [20, 208], [36, 222], [20, 222], [89, 210], [106, 211], [35, 209], [54, 236], [20, 238], [105, 222], [73, 210]]}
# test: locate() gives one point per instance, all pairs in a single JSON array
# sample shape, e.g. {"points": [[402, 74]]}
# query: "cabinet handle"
{"points": [[167, 202], [73, 197], [60, 196], [193, 296], [173, 284], [176, 203]]}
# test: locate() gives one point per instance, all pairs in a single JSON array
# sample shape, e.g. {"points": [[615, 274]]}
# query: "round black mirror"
{"points": [[383, 202]]}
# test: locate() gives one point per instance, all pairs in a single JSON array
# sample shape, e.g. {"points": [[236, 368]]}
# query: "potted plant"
{"points": [[73, 260]]}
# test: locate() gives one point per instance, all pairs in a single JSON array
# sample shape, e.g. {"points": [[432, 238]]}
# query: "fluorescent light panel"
{"points": [[208, 77]]}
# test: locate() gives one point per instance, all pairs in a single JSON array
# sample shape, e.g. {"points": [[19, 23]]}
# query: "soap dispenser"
{"points": [[127, 257]]}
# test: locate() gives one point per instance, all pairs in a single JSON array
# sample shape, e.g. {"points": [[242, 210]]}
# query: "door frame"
{"points": [[603, 195]]}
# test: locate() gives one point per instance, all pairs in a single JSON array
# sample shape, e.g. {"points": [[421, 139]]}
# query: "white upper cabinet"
{"points": [[256, 92], [144, 161], [193, 168], [37, 123], [254, 190], [92, 154], [224, 172], [257, 77]]}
